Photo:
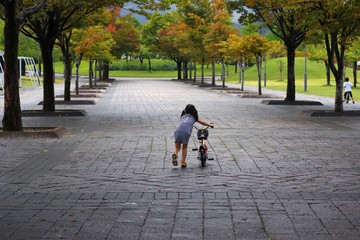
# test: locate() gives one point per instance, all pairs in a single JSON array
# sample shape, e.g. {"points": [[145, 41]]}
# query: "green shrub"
{"points": [[136, 66]]}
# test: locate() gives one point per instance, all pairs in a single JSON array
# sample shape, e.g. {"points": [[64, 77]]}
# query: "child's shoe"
{"points": [[174, 159], [183, 164]]}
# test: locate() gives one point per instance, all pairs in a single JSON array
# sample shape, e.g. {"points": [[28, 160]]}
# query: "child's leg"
{"points": [[177, 148], [175, 153], [183, 156]]}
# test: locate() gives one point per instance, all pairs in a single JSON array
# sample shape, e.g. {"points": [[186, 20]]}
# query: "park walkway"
{"points": [[277, 173]]}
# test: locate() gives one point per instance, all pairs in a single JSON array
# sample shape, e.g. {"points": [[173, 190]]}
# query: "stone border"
{"points": [[72, 102], [331, 113], [103, 86], [35, 132], [57, 113], [243, 93], [257, 96], [82, 95], [88, 90], [291, 103], [221, 88]]}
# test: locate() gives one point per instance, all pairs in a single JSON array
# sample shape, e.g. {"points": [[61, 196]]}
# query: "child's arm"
{"points": [[206, 124]]}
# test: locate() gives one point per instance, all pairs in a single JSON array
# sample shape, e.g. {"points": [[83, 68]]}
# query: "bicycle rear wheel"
{"points": [[202, 157]]}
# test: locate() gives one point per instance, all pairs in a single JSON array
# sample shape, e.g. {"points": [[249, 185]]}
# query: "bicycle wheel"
{"points": [[202, 157]]}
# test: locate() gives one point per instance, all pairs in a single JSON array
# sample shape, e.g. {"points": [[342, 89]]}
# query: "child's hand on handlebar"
{"points": [[211, 125]]}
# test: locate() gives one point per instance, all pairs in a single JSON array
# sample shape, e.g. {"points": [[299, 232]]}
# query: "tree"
{"points": [[284, 18], [145, 53], [257, 45], [220, 29], [14, 13], [196, 15], [102, 16], [353, 57], [157, 35], [318, 53], [234, 47], [126, 36], [94, 42], [339, 21], [45, 27], [173, 39]]}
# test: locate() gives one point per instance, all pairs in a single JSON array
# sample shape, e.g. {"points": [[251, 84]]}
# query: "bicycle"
{"points": [[347, 96], [202, 135]]}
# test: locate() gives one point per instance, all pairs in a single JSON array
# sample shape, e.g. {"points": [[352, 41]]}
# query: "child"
{"points": [[348, 85], [189, 117]]}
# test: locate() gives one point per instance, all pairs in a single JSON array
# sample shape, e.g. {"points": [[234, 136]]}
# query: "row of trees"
{"points": [[335, 23], [48, 22], [189, 34], [66, 24], [199, 31]]}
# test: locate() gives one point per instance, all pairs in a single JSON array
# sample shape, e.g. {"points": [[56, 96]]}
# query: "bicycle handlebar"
{"points": [[211, 125]]}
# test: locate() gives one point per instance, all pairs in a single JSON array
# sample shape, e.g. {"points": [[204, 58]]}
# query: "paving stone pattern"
{"points": [[276, 173]]}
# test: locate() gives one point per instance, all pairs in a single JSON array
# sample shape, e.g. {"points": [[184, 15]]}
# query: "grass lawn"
{"points": [[316, 76], [26, 81]]}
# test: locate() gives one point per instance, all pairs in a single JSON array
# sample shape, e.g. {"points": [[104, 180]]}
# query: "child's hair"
{"points": [[190, 109], [346, 79]]}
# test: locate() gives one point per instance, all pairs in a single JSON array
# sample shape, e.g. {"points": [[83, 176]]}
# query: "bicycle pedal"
{"points": [[194, 149], [210, 159]]}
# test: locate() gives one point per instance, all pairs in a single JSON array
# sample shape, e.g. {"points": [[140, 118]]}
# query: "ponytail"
{"points": [[190, 109]]}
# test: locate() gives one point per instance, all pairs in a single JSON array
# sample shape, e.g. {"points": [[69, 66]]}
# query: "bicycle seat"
{"points": [[202, 134]]}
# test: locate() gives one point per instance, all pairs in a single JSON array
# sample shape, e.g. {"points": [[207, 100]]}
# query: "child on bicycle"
{"points": [[189, 117], [347, 86]]}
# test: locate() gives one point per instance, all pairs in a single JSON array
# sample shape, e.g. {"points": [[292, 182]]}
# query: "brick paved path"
{"points": [[276, 173]]}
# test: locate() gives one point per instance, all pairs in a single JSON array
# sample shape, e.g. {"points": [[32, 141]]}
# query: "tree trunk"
{"points": [[227, 68], [149, 64], [67, 82], [242, 74], [95, 67], [195, 72], [258, 66], [178, 66], [106, 70], [290, 91], [185, 74], [12, 109], [77, 79], [190, 71], [237, 63], [49, 93], [339, 107], [327, 73], [77, 64], [332, 48], [100, 70], [355, 72], [222, 73], [213, 72], [202, 70], [265, 70], [64, 45], [91, 72]]}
